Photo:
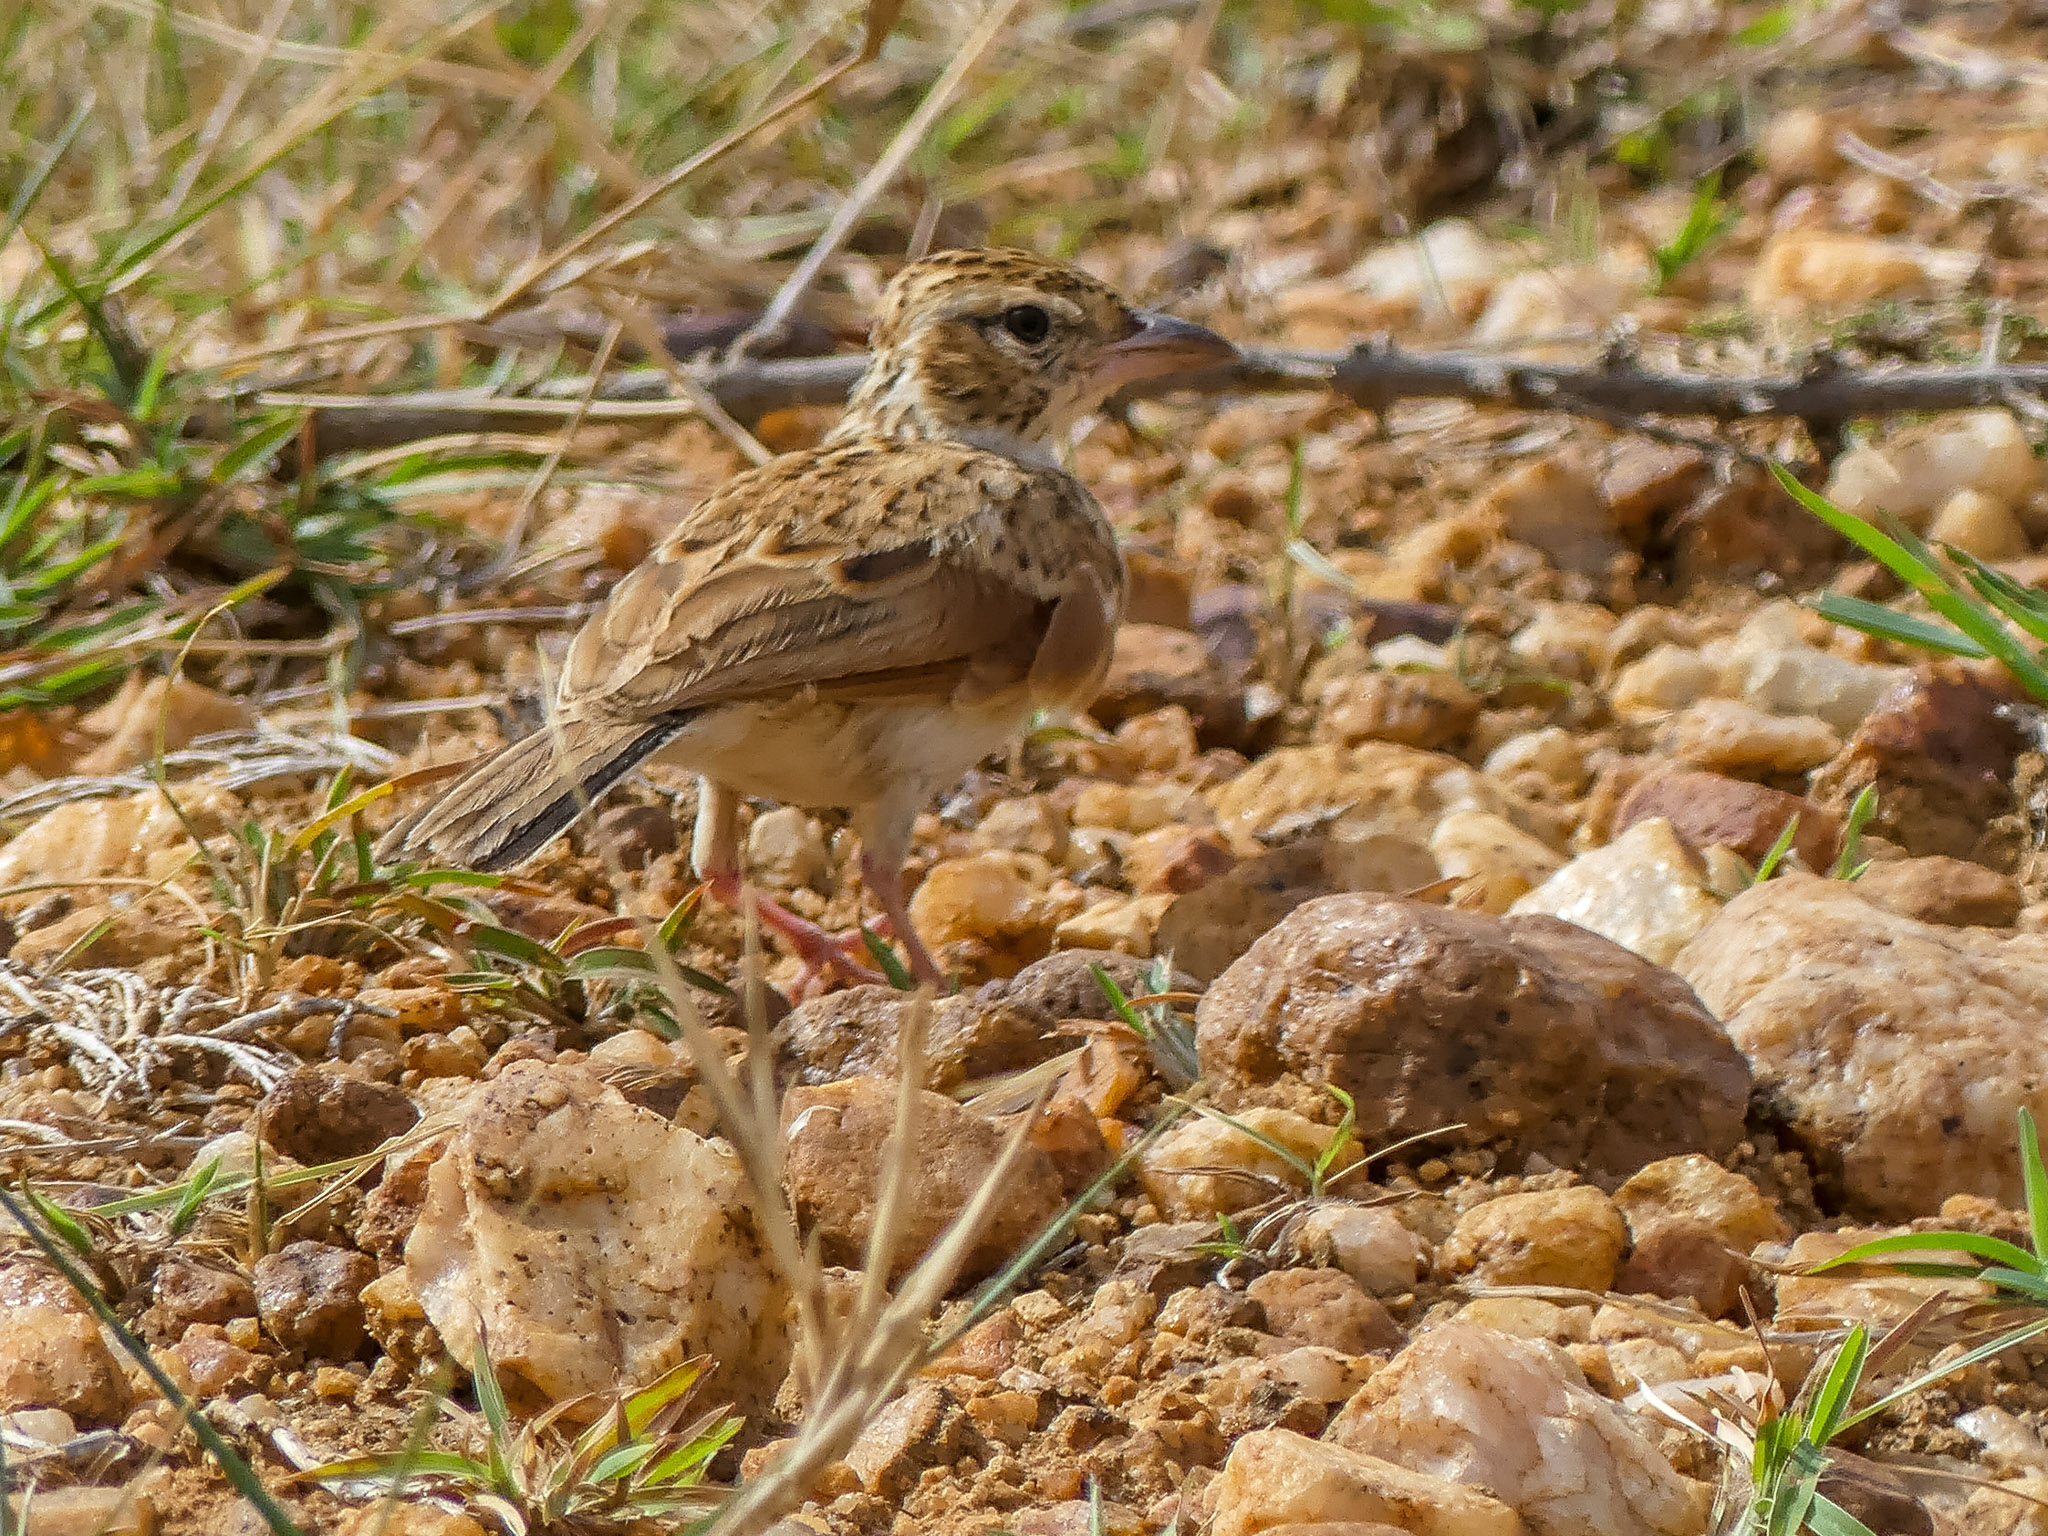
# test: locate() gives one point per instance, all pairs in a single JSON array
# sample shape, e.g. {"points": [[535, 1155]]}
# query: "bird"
{"points": [[855, 625]]}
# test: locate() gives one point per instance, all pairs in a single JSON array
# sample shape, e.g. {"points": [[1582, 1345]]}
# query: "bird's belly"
{"points": [[818, 754]]}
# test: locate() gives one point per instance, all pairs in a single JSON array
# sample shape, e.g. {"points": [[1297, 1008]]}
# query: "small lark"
{"points": [[857, 625]]}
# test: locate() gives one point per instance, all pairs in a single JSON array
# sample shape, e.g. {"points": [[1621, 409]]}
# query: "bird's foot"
{"points": [[824, 953]]}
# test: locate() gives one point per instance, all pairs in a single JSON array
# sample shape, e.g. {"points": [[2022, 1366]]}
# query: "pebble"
{"points": [[118, 835], [185, 1291], [593, 1242], [1899, 1050], [1647, 890], [785, 847], [1373, 788], [1153, 667], [1708, 810], [1516, 1417], [1979, 524], [381, 1519], [1178, 1170], [637, 835], [1567, 1237], [1425, 709], [834, 1145], [998, 898], [1937, 889], [1730, 736], [1669, 677], [1690, 1222], [1276, 1478], [1326, 1307], [1918, 470], [318, 1115], [308, 1296], [1368, 1243], [1550, 751], [1524, 1028], [1803, 270], [51, 1352], [1565, 639], [82, 1512], [1554, 505], [1495, 860]]}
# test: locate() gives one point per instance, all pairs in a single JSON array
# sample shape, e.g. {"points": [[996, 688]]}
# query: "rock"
{"points": [[1800, 680], [1644, 482], [1448, 264], [1367, 1242], [637, 835], [1740, 527], [1537, 306], [1798, 144], [1554, 505], [1495, 860], [1978, 525], [172, 711], [188, 1292], [1873, 1493], [1566, 639], [1516, 1417], [1209, 927], [1153, 667], [1685, 1215], [1729, 736], [593, 1243], [1277, 1480], [834, 1148], [1411, 709], [785, 847], [1569, 1237], [1024, 824], [1669, 677], [1953, 892], [996, 899], [1551, 751], [1898, 1051], [1646, 890], [213, 1362], [1370, 789], [121, 835], [918, 1430], [1803, 270], [1520, 1027], [1175, 859], [309, 1296], [1941, 758], [1204, 1166], [317, 1115], [1917, 470], [1882, 1298], [81, 1512], [51, 1351], [1327, 1307], [1706, 809]]}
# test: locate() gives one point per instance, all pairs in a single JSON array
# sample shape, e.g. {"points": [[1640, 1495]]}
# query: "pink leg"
{"points": [[821, 952], [885, 880]]}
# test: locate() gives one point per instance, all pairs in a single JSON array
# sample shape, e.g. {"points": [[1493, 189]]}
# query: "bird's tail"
{"points": [[516, 801]]}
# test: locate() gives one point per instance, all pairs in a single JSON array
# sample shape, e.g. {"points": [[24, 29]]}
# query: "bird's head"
{"points": [[1006, 348]]}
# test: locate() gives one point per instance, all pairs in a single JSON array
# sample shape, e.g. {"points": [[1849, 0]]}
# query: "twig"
{"points": [[1375, 375], [880, 174]]}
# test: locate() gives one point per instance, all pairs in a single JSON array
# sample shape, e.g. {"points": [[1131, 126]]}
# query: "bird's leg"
{"points": [[715, 851], [883, 877]]}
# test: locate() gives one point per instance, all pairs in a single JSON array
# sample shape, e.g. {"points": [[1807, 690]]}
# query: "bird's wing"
{"points": [[916, 569]]}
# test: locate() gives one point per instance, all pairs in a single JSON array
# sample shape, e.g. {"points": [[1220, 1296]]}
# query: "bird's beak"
{"points": [[1161, 344]]}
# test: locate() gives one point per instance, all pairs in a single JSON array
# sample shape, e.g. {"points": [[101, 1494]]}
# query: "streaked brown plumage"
{"points": [[859, 624]]}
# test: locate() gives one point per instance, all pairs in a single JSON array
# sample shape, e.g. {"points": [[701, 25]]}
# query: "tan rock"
{"points": [[1326, 1307], [1425, 709], [1368, 1243], [1276, 1478], [1953, 892], [1917, 470], [1980, 525], [1520, 1027], [82, 1512], [1375, 787], [1669, 677], [1496, 861], [1647, 890], [1550, 751], [593, 1243], [1565, 639], [1643, 482], [784, 846], [1569, 1237], [1516, 1417], [1204, 1165], [121, 835], [1690, 1223], [1554, 505], [1901, 1051], [1729, 736], [51, 1351], [1806, 269], [1154, 667], [1798, 144], [997, 898], [143, 714], [381, 1519]]}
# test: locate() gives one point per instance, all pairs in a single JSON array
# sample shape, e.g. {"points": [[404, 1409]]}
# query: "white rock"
{"points": [[1916, 470], [1552, 302], [594, 1243], [1978, 525], [1275, 1477], [1551, 751], [1367, 1242], [1800, 680], [1450, 259], [1569, 639], [1668, 678], [785, 846], [1516, 1417], [1645, 890], [2010, 1444], [1497, 861], [1730, 736], [1176, 1171]]}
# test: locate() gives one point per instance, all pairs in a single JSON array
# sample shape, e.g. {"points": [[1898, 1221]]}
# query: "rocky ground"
{"points": [[1436, 770]]}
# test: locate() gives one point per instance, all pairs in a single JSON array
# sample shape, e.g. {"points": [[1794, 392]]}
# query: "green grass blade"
{"points": [[886, 960], [1838, 1386], [2022, 604], [2035, 1179], [1848, 866], [1889, 624], [1827, 1518], [1779, 849], [1991, 1250]]}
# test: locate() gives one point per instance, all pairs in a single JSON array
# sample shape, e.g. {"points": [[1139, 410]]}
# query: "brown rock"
{"points": [[309, 1296], [51, 1351], [1161, 590], [1705, 809], [1691, 1222], [1941, 758], [82, 1512], [189, 1292], [1737, 528], [1554, 505], [321, 1116], [213, 1361], [1175, 859], [637, 835], [1936, 889], [1154, 666], [1207, 928], [1327, 1307], [1411, 709], [1644, 482], [835, 1138], [1873, 1493], [1570, 1237], [1525, 1027]]}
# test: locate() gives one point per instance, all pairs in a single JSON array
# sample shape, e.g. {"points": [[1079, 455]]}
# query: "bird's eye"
{"points": [[1027, 322]]}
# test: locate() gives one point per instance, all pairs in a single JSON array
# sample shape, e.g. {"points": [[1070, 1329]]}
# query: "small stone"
{"points": [[637, 835], [1423, 709], [382, 1519], [1516, 1417], [1979, 525], [121, 835], [1917, 470], [1568, 1237], [1550, 751], [1798, 144], [82, 1512], [1023, 824], [1326, 1307], [1209, 927], [188, 1292], [1565, 639], [1371, 789], [1803, 270], [1276, 1479], [1555, 506], [156, 712], [1668, 678], [785, 847], [1706, 810], [1125, 924], [1153, 667], [1180, 1171], [834, 1140], [1729, 736], [1525, 1028], [309, 1296], [321, 1116], [1690, 1221], [1175, 859], [995, 898], [1647, 890], [459, 1053], [1644, 482], [213, 1362], [1494, 859], [1368, 1243], [51, 1351], [1935, 889]]}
